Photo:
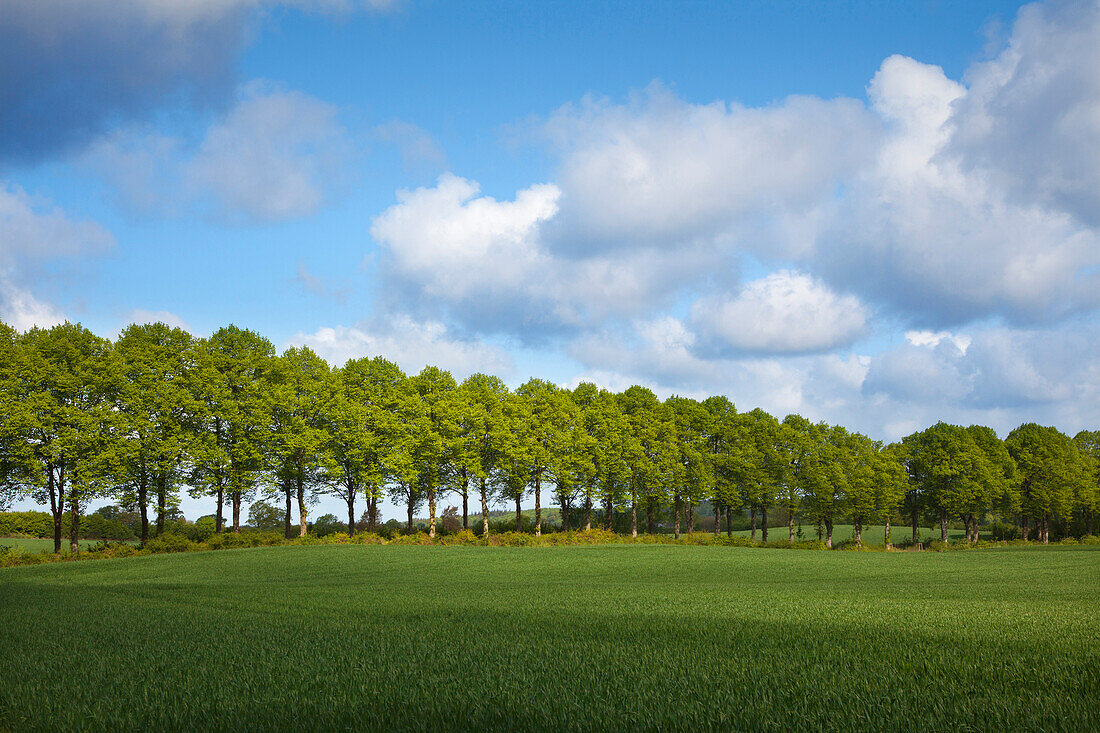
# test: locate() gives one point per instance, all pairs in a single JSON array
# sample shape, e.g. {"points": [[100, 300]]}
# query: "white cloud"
{"points": [[410, 343], [34, 232], [942, 243], [660, 169], [785, 312], [933, 338], [22, 311], [275, 155]]}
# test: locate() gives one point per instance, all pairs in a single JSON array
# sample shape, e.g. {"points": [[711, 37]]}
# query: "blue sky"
{"points": [[876, 214]]}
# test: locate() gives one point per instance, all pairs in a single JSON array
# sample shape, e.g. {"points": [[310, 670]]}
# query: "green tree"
{"points": [[65, 383], [434, 434], [640, 408], [482, 433], [264, 516], [691, 476], [1088, 443], [300, 390], [368, 430], [1048, 469], [548, 412], [160, 416], [238, 391]]}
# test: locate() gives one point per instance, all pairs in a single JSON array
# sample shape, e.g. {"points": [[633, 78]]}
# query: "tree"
{"points": [[691, 474], [720, 436], [300, 389], [893, 485], [239, 392], [159, 414], [548, 414], [1088, 444], [956, 477], [434, 432], [482, 430], [514, 461], [264, 516], [369, 432], [65, 382], [1049, 468], [1000, 490], [823, 477], [640, 410]]}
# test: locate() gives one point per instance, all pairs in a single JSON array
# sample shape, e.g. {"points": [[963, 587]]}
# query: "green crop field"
{"points": [[37, 544], [577, 638]]}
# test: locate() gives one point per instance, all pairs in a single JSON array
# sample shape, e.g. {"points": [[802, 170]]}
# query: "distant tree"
{"points": [[548, 412], [434, 434], [264, 516], [482, 434]]}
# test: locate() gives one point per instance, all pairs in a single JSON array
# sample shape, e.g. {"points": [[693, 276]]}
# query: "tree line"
{"points": [[158, 412]]}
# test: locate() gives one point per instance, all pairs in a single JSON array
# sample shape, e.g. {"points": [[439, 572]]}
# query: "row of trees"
{"points": [[158, 412]]}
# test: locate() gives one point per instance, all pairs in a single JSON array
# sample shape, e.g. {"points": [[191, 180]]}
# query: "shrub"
{"points": [[417, 538], [1002, 532], [227, 541], [26, 524], [1068, 541], [1090, 539], [170, 542], [336, 538], [461, 537], [938, 546]]}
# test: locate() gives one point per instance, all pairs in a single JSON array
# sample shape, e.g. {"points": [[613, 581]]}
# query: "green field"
{"points": [[577, 638], [36, 544]]}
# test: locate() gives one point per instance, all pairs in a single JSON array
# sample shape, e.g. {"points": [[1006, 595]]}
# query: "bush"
{"points": [[1090, 539], [170, 542], [417, 538], [1068, 541], [461, 537], [939, 546], [227, 541], [26, 524], [1000, 531]]}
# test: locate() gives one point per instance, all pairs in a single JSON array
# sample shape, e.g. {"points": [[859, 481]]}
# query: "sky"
{"points": [[875, 214]]}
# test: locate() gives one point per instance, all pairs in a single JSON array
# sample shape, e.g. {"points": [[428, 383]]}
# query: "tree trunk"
{"points": [[74, 528], [915, 529], [565, 515], [943, 526], [633, 518], [886, 534], [351, 513], [729, 521], [717, 518], [609, 509], [691, 517], [588, 510], [1023, 527], [465, 501], [790, 523], [676, 525], [829, 533], [143, 501], [651, 525], [538, 505], [236, 496], [302, 507], [484, 510], [162, 505], [431, 512], [1088, 521], [859, 533], [289, 490], [764, 524], [519, 515], [409, 526], [752, 523], [1046, 529], [372, 511], [221, 506]]}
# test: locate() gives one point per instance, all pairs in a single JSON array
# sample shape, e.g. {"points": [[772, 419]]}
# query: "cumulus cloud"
{"points": [[785, 312], [660, 169], [168, 318], [34, 233], [924, 232], [275, 155], [412, 344], [68, 70], [486, 262]]}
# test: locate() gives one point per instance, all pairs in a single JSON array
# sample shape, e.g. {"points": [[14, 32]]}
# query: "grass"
{"points": [[36, 544], [574, 638]]}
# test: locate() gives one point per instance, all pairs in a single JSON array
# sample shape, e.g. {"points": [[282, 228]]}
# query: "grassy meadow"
{"points": [[605, 637]]}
